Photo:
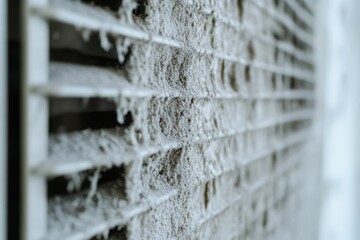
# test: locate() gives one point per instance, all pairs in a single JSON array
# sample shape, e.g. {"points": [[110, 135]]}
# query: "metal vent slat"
{"points": [[86, 90], [95, 224], [117, 28], [303, 15], [73, 80], [75, 161], [305, 36], [69, 11]]}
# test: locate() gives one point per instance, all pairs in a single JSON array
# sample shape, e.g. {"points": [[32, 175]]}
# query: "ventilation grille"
{"points": [[166, 119]]}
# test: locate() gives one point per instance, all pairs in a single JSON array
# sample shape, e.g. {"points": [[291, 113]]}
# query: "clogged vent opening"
{"points": [[167, 119]]}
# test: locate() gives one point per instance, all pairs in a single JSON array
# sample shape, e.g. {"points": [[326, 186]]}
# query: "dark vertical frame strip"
{"points": [[14, 115]]}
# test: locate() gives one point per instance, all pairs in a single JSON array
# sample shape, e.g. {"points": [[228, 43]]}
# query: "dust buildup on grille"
{"points": [[214, 147]]}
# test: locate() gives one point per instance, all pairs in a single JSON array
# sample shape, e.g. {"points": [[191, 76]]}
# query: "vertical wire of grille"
{"points": [[3, 123], [168, 119]]}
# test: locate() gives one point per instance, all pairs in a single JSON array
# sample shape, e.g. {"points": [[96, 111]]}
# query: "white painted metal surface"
{"points": [[35, 130]]}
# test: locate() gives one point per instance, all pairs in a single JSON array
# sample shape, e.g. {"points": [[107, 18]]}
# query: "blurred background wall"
{"points": [[338, 65]]}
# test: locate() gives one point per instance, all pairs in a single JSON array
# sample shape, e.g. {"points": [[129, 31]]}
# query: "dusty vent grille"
{"points": [[165, 117]]}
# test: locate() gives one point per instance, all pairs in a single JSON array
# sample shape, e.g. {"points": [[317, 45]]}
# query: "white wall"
{"points": [[339, 76]]}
